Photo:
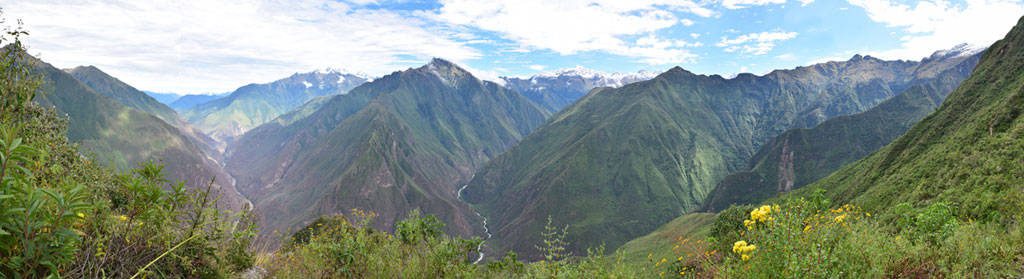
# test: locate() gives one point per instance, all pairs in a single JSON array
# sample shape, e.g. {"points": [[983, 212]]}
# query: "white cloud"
{"points": [[216, 46], [537, 67], [934, 25], [493, 75], [739, 4], [755, 43], [686, 22], [694, 35], [787, 56], [574, 26]]}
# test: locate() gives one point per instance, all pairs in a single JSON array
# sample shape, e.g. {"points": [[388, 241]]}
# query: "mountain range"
{"points": [[254, 104], [188, 101], [401, 142], [556, 89], [801, 156], [966, 154], [620, 162], [623, 155], [165, 98]]}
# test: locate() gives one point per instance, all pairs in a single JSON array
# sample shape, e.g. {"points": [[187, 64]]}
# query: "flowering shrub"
{"points": [[800, 239]]}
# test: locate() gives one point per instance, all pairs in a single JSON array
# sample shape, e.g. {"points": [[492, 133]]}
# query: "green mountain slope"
{"points": [[401, 142], [113, 88], [621, 162], [801, 156], [127, 95], [967, 153], [255, 104], [121, 136]]}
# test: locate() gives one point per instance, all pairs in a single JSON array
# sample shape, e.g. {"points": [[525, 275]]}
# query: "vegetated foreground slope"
{"points": [[801, 156], [127, 95], [621, 162], [255, 104], [554, 90], [121, 136], [968, 153], [401, 142]]}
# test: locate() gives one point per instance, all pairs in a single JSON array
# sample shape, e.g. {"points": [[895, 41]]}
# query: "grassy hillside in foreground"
{"points": [[801, 156], [679, 237]]}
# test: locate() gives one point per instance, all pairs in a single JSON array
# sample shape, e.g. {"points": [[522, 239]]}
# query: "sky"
{"points": [[185, 46]]}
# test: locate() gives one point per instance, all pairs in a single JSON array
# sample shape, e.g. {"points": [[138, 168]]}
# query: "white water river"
{"points": [[486, 229]]}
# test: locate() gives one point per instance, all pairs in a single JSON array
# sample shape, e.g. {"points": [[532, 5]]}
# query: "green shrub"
{"points": [[38, 226]]}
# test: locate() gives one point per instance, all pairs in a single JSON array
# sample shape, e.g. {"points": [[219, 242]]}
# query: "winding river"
{"points": [[486, 229]]}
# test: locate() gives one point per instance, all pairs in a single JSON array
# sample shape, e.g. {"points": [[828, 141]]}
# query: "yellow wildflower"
{"points": [[745, 257], [839, 219], [807, 228], [81, 215], [122, 218]]}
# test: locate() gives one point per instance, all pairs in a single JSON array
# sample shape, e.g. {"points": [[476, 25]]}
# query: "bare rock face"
{"points": [[786, 172]]}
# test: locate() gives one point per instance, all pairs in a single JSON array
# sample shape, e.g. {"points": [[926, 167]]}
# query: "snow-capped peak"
{"points": [[960, 50], [575, 71], [330, 70], [342, 72], [590, 74]]}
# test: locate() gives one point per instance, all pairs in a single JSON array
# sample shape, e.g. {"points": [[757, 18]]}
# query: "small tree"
{"points": [[554, 248]]}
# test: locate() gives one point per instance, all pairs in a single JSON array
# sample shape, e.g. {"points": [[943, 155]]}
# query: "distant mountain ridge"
{"points": [[165, 98], [392, 145], [619, 162], [801, 156], [254, 104], [191, 100], [556, 89]]}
